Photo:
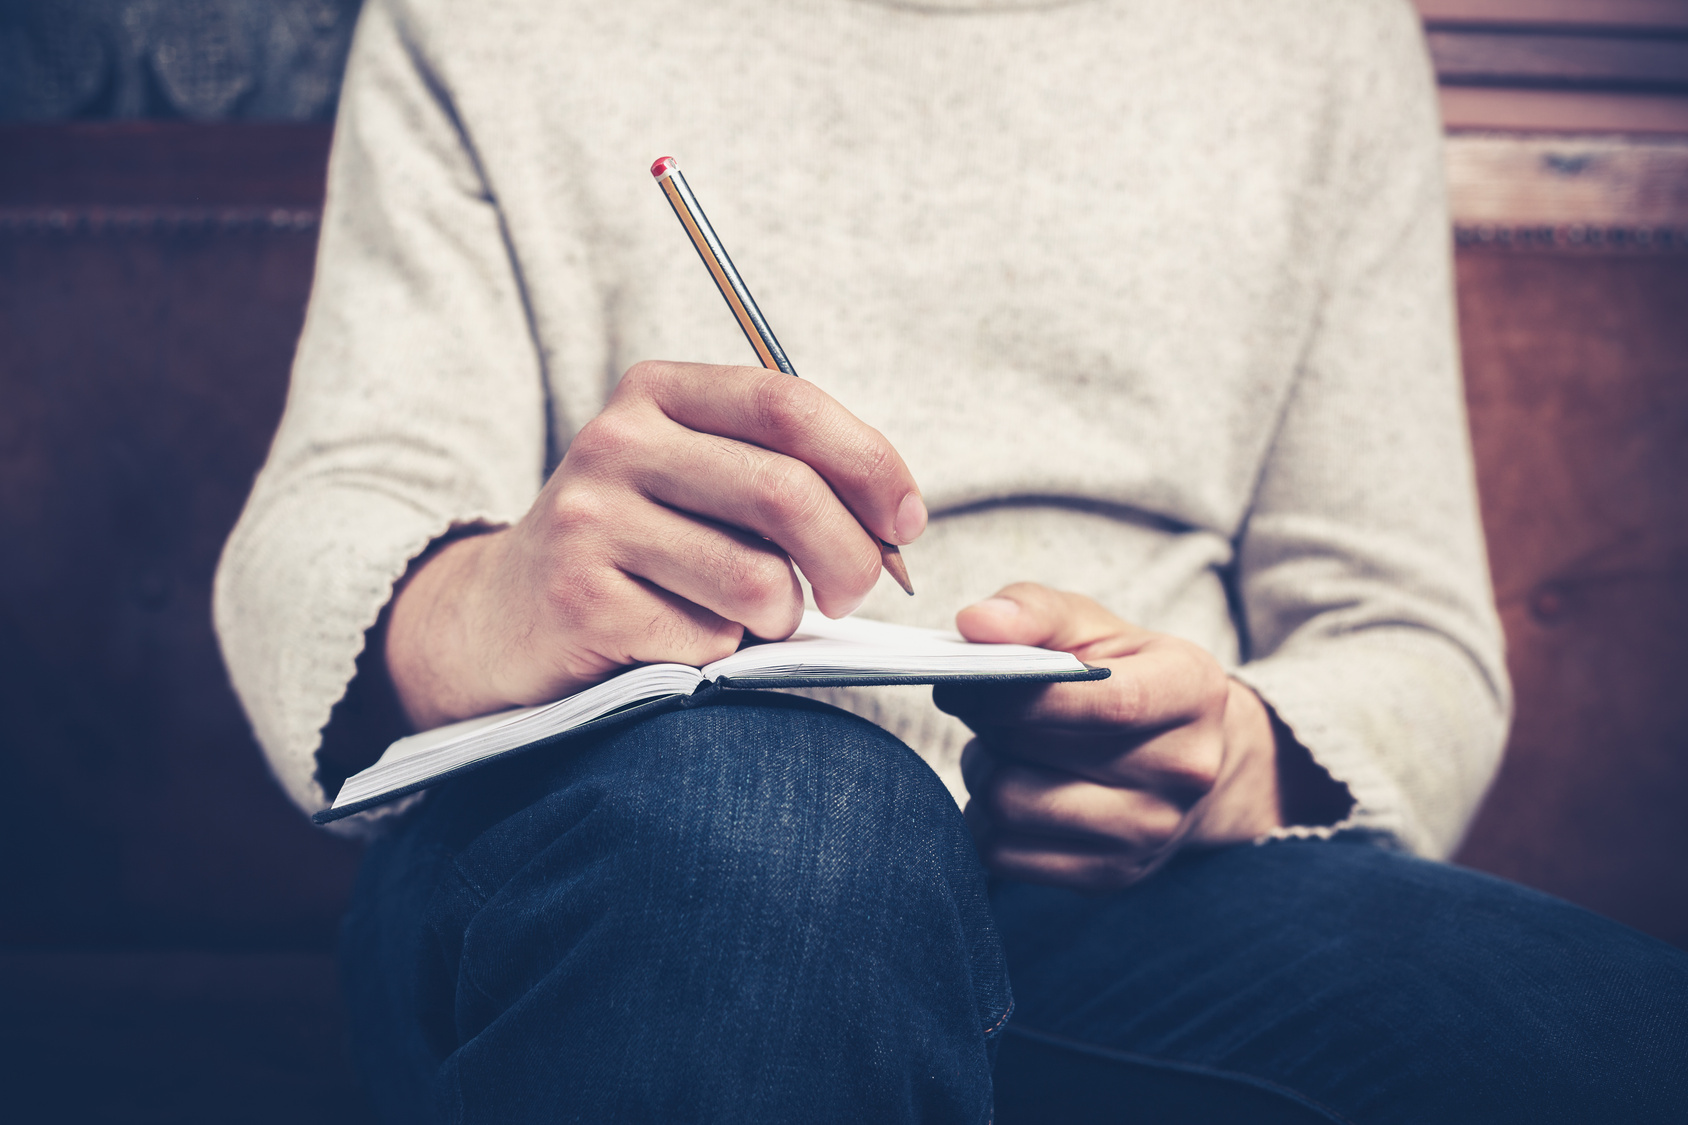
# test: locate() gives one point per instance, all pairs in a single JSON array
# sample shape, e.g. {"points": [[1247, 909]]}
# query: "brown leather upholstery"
{"points": [[144, 367], [166, 916], [1577, 377]]}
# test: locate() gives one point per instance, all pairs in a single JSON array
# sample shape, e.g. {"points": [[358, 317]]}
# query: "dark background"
{"points": [[167, 918], [199, 60]]}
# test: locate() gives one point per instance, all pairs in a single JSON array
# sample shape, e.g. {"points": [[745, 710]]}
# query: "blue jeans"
{"points": [[768, 910]]}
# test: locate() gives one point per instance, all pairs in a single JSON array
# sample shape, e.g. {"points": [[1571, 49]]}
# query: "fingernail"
{"points": [[1004, 606], [911, 518]]}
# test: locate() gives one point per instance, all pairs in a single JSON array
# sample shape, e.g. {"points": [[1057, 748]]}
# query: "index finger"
{"points": [[794, 417]]}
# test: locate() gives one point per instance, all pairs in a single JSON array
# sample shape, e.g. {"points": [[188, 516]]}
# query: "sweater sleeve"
{"points": [[416, 403], [1361, 572]]}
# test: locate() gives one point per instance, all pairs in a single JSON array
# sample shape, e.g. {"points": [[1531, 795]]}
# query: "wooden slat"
{"points": [[1562, 111], [1595, 181], [1655, 14], [1495, 58]]}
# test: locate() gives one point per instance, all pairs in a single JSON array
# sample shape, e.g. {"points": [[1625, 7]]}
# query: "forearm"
{"points": [[1245, 801]]}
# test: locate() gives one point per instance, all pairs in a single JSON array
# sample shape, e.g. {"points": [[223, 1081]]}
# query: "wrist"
{"points": [[1246, 801], [432, 647], [1277, 782]]}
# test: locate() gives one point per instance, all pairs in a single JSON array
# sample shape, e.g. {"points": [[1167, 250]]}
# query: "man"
{"points": [[1134, 318]]}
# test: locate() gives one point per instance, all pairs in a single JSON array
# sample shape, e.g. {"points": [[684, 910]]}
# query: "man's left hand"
{"points": [[1094, 785]]}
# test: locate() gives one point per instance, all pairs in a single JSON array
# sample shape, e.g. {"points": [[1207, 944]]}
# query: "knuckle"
{"points": [[787, 492], [579, 511], [784, 407], [761, 583], [610, 437], [642, 377]]}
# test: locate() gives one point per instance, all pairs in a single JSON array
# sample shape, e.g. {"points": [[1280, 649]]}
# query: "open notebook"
{"points": [[822, 652]]}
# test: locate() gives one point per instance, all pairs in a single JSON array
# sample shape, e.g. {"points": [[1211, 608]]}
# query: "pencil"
{"points": [[727, 280]]}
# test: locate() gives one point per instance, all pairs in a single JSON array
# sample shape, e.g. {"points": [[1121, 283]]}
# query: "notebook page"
{"points": [[434, 752], [825, 647]]}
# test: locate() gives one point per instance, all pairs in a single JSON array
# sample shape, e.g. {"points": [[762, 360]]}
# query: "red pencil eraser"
{"points": [[663, 166]]}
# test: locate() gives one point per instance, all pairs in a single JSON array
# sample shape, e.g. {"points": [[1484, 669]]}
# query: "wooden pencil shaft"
{"points": [[749, 317], [727, 279]]}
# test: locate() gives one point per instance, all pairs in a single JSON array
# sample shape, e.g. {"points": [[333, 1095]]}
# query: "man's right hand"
{"points": [[668, 531]]}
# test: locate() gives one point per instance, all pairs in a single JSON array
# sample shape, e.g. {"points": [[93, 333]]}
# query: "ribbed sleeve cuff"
{"points": [[293, 607], [1314, 698]]}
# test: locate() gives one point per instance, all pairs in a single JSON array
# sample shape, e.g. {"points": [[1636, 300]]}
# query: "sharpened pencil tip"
{"points": [[895, 567]]}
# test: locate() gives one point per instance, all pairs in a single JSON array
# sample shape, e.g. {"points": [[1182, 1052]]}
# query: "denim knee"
{"points": [[793, 806], [760, 909], [761, 825], [762, 791]]}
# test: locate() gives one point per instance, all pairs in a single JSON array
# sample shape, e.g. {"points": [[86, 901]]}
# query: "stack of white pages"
{"points": [[822, 652]]}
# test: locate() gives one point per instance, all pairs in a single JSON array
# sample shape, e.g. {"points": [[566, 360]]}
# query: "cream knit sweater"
{"points": [[1152, 295]]}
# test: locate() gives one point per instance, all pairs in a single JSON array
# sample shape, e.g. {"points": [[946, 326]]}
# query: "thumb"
{"points": [[1029, 614]]}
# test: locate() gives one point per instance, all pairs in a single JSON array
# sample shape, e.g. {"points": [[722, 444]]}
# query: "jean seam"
{"points": [[1201, 1069], [995, 1027]]}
